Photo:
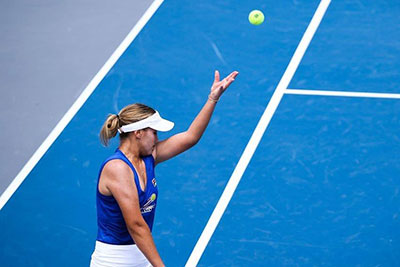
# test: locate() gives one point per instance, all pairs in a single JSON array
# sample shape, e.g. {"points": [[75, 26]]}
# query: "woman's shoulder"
{"points": [[116, 167], [114, 173]]}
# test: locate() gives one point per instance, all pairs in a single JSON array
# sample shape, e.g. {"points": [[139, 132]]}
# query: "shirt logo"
{"points": [[149, 205], [154, 182]]}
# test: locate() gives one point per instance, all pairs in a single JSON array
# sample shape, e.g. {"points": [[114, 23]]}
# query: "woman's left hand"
{"points": [[219, 87]]}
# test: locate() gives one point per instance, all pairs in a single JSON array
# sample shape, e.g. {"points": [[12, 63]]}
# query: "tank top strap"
{"points": [[135, 175], [149, 161]]}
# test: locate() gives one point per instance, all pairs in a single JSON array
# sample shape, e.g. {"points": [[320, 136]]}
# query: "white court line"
{"points": [[78, 104], [256, 137], [340, 93]]}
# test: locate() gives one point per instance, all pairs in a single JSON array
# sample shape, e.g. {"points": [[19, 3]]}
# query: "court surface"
{"points": [[49, 51], [322, 187]]}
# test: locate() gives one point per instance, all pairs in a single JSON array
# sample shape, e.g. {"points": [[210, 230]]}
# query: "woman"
{"points": [[127, 190]]}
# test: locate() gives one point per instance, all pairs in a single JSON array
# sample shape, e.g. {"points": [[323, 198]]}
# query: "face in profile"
{"points": [[148, 141]]}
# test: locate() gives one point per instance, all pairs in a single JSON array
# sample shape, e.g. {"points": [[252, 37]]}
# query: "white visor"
{"points": [[154, 122]]}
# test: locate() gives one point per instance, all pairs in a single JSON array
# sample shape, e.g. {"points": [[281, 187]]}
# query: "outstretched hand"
{"points": [[219, 87]]}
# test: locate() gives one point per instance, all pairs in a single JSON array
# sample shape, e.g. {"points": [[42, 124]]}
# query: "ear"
{"points": [[138, 134]]}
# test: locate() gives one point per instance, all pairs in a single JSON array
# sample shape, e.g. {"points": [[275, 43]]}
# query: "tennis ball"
{"points": [[256, 17], [153, 197]]}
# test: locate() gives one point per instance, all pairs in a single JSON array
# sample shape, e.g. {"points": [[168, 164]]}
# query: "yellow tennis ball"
{"points": [[256, 17]]}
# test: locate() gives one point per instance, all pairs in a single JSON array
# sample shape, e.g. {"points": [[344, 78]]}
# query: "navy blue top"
{"points": [[111, 224]]}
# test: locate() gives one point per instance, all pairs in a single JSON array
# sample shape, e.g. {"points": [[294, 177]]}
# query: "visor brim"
{"points": [[162, 125]]}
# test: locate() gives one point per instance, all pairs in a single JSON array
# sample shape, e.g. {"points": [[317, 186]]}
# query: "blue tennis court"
{"points": [[320, 187]]}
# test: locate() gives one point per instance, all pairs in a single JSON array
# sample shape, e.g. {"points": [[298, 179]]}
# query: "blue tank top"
{"points": [[111, 224]]}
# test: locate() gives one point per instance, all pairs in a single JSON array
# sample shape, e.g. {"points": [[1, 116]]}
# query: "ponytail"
{"points": [[109, 129]]}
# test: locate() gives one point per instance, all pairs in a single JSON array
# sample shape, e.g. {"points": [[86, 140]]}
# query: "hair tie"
{"points": [[117, 116]]}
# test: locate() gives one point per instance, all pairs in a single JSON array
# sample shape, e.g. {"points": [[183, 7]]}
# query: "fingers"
{"points": [[216, 76], [233, 74], [222, 85], [230, 78], [228, 82]]}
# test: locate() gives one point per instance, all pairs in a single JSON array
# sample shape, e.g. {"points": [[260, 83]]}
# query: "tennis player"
{"points": [[127, 190]]}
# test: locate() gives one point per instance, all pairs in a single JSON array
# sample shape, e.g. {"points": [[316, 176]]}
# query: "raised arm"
{"points": [[181, 142], [121, 184]]}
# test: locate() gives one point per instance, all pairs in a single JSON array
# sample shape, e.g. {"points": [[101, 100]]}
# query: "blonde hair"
{"points": [[129, 114]]}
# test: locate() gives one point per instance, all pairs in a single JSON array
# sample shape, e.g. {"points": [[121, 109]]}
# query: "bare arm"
{"points": [[120, 182], [181, 142]]}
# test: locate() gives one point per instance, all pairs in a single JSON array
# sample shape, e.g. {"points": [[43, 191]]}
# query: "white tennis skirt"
{"points": [[107, 255]]}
